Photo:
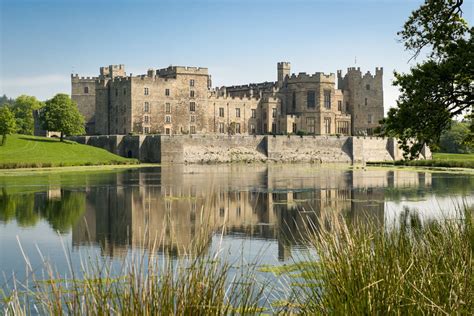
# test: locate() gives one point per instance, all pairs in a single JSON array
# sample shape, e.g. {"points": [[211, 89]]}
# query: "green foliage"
{"points": [[7, 123], [4, 100], [60, 114], [454, 139], [438, 89], [31, 152], [23, 108]]}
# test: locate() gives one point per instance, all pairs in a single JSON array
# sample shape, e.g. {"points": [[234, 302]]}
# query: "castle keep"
{"points": [[181, 100]]}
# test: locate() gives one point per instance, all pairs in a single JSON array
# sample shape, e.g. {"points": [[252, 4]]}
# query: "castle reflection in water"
{"points": [[168, 207]]}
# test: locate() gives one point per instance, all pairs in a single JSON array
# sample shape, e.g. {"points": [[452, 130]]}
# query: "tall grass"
{"points": [[362, 268], [365, 269], [199, 283]]}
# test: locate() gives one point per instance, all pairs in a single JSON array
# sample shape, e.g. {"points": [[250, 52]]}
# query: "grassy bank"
{"points": [[418, 268], [442, 160], [22, 151]]}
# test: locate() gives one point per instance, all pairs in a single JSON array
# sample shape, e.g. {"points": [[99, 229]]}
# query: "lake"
{"points": [[255, 212]]}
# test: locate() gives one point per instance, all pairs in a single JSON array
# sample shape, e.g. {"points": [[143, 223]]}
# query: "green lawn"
{"points": [[24, 151], [446, 156], [444, 160]]}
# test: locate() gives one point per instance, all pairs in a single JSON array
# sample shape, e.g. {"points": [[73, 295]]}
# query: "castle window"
{"points": [[167, 118], [237, 112], [193, 118], [192, 129], [327, 99], [343, 127], [221, 128], [146, 130], [327, 125], [254, 113], [221, 112], [168, 108], [294, 100], [274, 128], [339, 105], [311, 99], [146, 91], [191, 83], [365, 101], [167, 92], [167, 131], [252, 129], [310, 124], [237, 128], [86, 89], [192, 106], [147, 107], [274, 112], [147, 119], [367, 87], [124, 91], [191, 93], [369, 118]]}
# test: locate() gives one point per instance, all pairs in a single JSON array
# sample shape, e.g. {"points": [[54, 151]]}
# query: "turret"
{"points": [[284, 70]]}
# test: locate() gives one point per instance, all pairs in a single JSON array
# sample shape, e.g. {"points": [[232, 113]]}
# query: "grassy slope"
{"points": [[31, 151]]}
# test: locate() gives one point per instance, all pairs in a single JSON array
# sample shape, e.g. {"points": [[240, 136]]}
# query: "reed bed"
{"points": [[355, 268], [366, 269]]}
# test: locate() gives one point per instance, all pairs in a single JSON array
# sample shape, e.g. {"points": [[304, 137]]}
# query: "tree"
{"points": [[60, 114], [7, 123], [4, 100], [23, 108], [439, 89], [453, 139]]}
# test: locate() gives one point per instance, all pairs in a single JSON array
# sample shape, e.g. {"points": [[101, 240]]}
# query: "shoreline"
{"points": [[39, 170]]}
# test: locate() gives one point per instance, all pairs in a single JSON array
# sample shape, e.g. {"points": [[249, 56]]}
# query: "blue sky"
{"points": [[42, 42]]}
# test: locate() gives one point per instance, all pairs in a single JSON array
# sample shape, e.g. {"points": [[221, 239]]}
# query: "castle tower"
{"points": [[363, 95], [284, 69]]}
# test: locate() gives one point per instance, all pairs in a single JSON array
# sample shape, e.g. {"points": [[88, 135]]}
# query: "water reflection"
{"points": [[168, 207]]}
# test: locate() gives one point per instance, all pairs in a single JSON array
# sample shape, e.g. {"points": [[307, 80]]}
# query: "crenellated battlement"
{"points": [[261, 85], [316, 77], [76, 78], [216, 97], [182, 70]]}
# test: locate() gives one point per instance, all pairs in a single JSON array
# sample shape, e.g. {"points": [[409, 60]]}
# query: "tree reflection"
{"points": [[61, 210]]}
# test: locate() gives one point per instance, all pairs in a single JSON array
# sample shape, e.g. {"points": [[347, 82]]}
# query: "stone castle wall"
{"points": [[258, 148]]}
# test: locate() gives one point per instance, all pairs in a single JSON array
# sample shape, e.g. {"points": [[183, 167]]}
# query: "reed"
{"points": [[367, 269]]}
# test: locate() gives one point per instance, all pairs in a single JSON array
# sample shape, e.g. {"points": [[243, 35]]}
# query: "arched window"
{"points": [[367, 86], [86, 89]]}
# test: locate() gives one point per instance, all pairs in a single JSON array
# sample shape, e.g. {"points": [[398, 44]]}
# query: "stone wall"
{"points": [[257, 148], [309, 149]]}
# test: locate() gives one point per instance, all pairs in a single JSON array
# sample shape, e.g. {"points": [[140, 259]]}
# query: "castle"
{"points": [[181, 100]]}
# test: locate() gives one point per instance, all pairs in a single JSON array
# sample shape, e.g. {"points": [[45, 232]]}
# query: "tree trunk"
{"points": [[61, 137], [4, 139]]}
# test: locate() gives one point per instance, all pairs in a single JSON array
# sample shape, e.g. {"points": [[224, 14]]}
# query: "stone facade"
{"points": [[181, 100]]}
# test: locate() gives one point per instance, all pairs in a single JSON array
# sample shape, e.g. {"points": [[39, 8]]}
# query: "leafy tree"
{"points": [[7, 123], [4, 100], [453, 140], [60, 114], [439, 89], [23, 108]]}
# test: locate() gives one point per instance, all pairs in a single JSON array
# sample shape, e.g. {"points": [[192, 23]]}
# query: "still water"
{"points": [[250, 211]]}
